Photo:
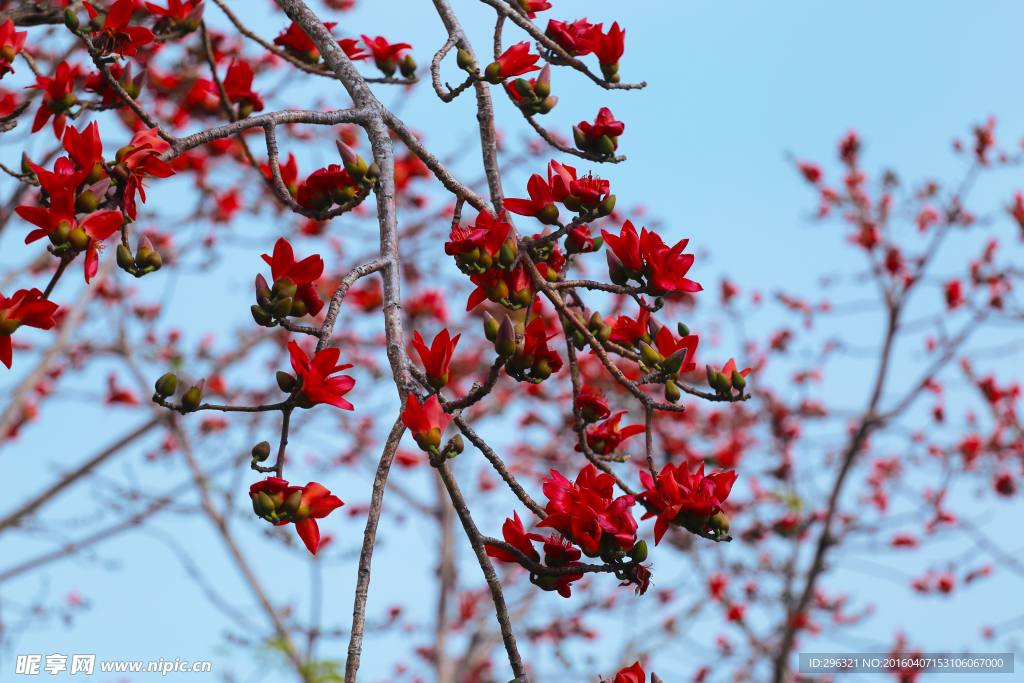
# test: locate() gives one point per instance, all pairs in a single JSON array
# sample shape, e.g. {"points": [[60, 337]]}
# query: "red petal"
{"points": [[309, 532]]}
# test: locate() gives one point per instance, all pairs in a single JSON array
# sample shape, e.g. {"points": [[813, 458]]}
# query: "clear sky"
{"points": [[734, 89]]}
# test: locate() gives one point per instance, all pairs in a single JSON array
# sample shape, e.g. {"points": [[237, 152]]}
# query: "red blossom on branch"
{"points": [[317, 385], [277, 502], [26, 307], [685, 499], [514, 61], [427, 421], [437, 358], [116, 35], [11, 43], [571, 36]]}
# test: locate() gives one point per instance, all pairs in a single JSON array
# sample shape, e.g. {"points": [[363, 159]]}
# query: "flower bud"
{"points": [[492, 74], [373, 172], [596, 322], [616, 271], [580, 138], [522, 87], [166, 385], [463, 60], [261, 316], [638, 552], [437, 382], [649, 356], [284, 289], [542, 86], [672, 394], [458, 445], [282, 308], [711, 372], [348, 156], [357, 169], [192, 398], [505, 339], [302, 401], [60, 233], [292, 502], [654, 676], [125, 260], [407, 66], [542, 369], [491, 326], [719, 523], [263, 292], [262, 505], [285, 382], [572, 202], [738, 381], [674, 363], [78, 239], [605, 145], [261, 451], [547, 104], [298, 309], [86, 202], [606, 207], [508, 253], [604, 334], [545, 582], [521, 298], [343, 195], [70, 19], [387, 66], [430, 440], [153, 261], [548, 215], [722, 383]]}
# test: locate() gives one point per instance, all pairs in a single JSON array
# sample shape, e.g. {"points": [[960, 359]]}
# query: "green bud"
{"points": [[302, 401], [722, 383], [192, 398], [153, 260], [60, 233], [572, 202], [299, 308], [71, 19], [78, 239], [458, 445], [521, 298], [498, 292], [463, 59], [373, 172], [125, 260], [542, 90], [166, 385], [607, 206], [506, 256], [596, 322], [431, 439], [638, 552], [719, 523], [492, 74], [262, 504], [491, 326], [407, 66], [672, 394], [683, 330], [738, 381], [542, 369], [711, 372], [261, 451], [522, 87], [343, 195], [283, 307], [674, 362], [292, 502], [616, 271], [261, 316], [580, 138], [604, 334], [649, 356], [284, 289], [86, 202], [598, 242], [437, 382], [285, 382], [548, 215], [605, 145]]}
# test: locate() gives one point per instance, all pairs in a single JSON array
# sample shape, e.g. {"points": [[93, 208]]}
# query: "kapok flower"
{"points": [[141, 161], [516, 536], [536, 357], [279, 503], [437, 358], [607, 47], [26, 307], [58, 98], [667, 266], [540, 205], [475, 247], [179, 15], [592, 404], [668, 345], [601, 136], [685, 499], [295, 41], [585, 512], [571, 36], [86, 150], [954, 292], [426, 421], [514, 61], [605, 437], [531, 7], [626, 246], [511, 289], [116, 35], [630, 674], [302, 274], [317, 384], [289, 173], [626, 329], [58, 222], [238, 86], [385, 54], [11, 42]]}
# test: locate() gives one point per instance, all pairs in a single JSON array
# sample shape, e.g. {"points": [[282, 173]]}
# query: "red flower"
{"points": [[667, 267], [426, 421], [58, 221], [437, 358], [116, 35], [480, 243], [289, 173], [385, 54], [811, 172], [511, 289], [668, 344], [571, 36], [302, 274], [26, 307], [516, 536], [294, 40], [736, 612], [533, 6], [350, 46], [85, 149], [11, 42], [176, 9], [277, 502], [625, 329], [539, 202], [608, 47], [604, 124], [58, 98], [684, 498], [592, 405], [536, 357], [627, 246], [514, 61], [585, 512], [140, 162], [238, 86], [631, 674], [317, 383], [605, 437], [954, 291], [730, 368]]}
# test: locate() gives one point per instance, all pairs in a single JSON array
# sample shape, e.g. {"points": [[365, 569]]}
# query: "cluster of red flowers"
{"points": [[646, 257], [580, 38], [689, 500], [279, 503]]}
